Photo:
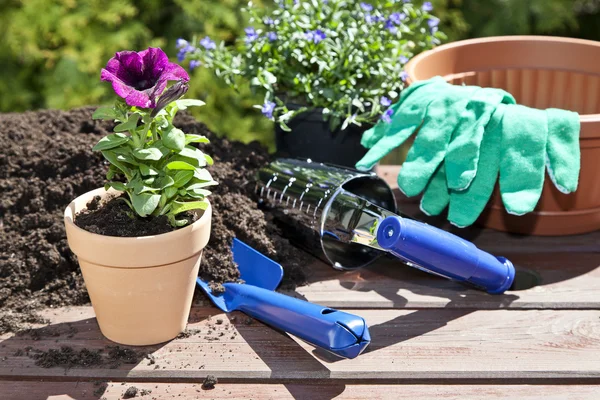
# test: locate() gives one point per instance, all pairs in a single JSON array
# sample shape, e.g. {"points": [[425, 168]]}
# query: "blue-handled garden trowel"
{"points": [[343, 334]]}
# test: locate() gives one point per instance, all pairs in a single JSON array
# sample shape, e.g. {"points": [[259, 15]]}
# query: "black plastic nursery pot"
{"points": [[310, 137]]}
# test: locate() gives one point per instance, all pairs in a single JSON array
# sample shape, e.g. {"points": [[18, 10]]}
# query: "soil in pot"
{"points": [[47, 161]]}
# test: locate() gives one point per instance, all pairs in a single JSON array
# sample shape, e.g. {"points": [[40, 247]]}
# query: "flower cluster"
{"points": [[342, 56], [164, 173]]}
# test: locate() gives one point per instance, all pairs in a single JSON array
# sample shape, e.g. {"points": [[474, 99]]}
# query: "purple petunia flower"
{"points": [[208, 43], [404, 76], [251, 35], [315, 36], [384, 101], [140, 78], [403, 59], [194, 64], [387, 115], [268, 108], [389, 25], [272, 36], [366, 6], [427, 6], [173, 93]]}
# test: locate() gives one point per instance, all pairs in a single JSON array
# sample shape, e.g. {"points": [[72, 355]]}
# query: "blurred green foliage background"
{"points": [[52, 51]]}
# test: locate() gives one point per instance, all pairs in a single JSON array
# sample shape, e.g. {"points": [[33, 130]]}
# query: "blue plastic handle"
{"points": [[341, 333], [445, 254]]}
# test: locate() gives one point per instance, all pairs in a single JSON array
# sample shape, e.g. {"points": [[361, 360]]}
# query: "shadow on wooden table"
{"points": [[78, 348]]}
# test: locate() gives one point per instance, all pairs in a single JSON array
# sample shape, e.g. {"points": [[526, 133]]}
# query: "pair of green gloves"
{"points": [[466, 137]]}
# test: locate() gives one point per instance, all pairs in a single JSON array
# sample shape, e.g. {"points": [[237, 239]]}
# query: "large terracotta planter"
{"points": [[141, 288], [540, 72]]}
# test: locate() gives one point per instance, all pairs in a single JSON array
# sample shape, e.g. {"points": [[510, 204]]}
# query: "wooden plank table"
{"points": [[430, 338]]}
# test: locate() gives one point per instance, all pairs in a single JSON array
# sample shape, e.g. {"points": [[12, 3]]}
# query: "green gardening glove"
{"points": [[435, 106], [512, 129], [452, 138]]}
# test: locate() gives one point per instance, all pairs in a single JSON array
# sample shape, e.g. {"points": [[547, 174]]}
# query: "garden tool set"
{"points": [[349, 219]]}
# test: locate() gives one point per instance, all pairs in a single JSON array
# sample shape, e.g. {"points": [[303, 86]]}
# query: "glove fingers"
{"points": [[522, 163], [436, 196], [562, 149], [383, 147], [431, 144], [467, 205], [464, 150]]}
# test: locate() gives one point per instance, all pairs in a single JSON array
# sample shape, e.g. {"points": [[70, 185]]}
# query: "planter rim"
{"points": [[585, 119], [153, 243]]}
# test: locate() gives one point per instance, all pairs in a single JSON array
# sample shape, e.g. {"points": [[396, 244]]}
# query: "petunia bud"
{"points": [[173, 93]]}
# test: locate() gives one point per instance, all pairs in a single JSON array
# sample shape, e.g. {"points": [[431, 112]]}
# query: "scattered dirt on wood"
{"points": [[67, 357], [210, 382], [47, 161], [130, 393]]}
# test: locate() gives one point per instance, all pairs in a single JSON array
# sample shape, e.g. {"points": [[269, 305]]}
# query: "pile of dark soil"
{"points": [[46, 161]]}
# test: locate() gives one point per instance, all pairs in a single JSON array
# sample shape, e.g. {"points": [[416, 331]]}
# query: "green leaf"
{"points": [[182, 104], [151, 153], [105, 113], [199, 185], [170, 192], [190, 138], [209, 159], [144, 204], [164, 182], [146, 170], [120, 186], [128, 125], [181, 165], [110, 141], [202, 174], [112, 158], [174, 139], [194, 153], [178, 207], [182, 177], [199, 193]]}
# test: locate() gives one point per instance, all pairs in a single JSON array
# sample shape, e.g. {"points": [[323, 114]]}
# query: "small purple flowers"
{"points": [[403, 59], [384, 101], [272, 36], [187, 48], [389, 25], [315, 36], [269, 21], [140, 78], [194, 64], [268, 108], [397, 18], [366, 6], [433, 23], [427, 6], [371, 19], [387, 115], [208, 43], [404, 76], [181, 43], [251, 35]]}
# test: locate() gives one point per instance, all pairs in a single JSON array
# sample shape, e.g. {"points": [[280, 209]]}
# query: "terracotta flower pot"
{"points": [[540, 72], [141, 287]]}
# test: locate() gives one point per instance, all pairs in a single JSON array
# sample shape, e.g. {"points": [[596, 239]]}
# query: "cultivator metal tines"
{"points": [[314, 203]]}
